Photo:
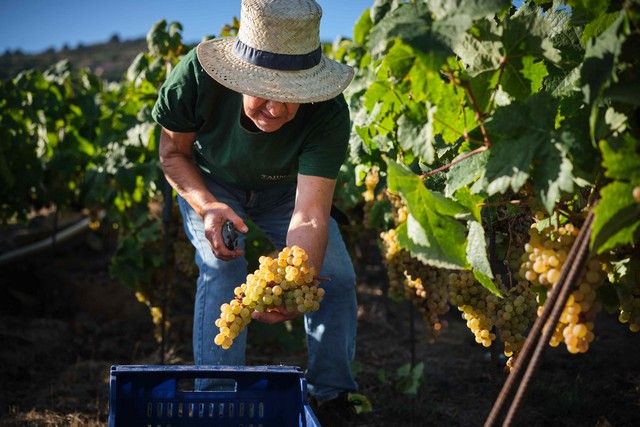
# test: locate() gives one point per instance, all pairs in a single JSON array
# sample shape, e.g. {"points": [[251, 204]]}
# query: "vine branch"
{"points": [[454, 162]]}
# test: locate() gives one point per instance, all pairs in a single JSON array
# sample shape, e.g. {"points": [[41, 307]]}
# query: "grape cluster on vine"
{"points": [[371, 182], [629, 309], [513, 317], [419, 283], [545, 254], [476, 303], [285, 281]]}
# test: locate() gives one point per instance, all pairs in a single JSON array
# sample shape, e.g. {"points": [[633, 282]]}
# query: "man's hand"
{"points": [[275, 315], [214, 216]]}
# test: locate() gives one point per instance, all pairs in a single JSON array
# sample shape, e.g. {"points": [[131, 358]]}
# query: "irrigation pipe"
{"points": [[63, 235]]}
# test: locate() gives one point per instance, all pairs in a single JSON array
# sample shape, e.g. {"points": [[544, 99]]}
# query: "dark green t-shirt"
{"points": [[313, 143]]}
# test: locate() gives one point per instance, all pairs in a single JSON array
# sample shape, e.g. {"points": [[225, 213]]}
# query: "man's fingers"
{"points": [[216, 241], [274, 316], [268, 317], [220, 250], [238, 223]]}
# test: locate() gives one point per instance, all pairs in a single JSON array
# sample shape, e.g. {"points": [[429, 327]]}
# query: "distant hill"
{"points": [[108, 60]]}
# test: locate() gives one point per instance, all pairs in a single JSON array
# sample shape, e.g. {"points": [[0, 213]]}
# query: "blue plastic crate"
{"points": [[162, 395]]}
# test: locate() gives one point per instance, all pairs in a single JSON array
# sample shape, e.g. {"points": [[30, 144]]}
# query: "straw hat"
{"points": [[276, 55]]}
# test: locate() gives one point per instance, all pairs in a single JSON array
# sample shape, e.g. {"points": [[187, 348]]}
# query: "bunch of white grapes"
{"points": [[513, 318], [287, 281], [545, 254], [630, 309], [411, 279], [476, 303]]}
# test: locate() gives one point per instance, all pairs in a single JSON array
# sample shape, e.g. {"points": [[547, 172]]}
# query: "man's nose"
{"points": [[275, 108]]}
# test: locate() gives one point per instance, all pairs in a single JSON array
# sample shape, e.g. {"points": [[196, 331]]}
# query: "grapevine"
{"points": [[285, 281]]}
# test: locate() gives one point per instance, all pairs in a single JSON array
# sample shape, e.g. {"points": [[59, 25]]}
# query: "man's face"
{"points": [[267, 115]]}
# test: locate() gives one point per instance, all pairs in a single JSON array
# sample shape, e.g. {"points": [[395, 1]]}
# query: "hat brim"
{"points": [[320, 83]]}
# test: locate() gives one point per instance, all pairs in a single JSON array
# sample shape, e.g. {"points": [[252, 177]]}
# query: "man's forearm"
{"points": [[184, 176], [310, 233]]}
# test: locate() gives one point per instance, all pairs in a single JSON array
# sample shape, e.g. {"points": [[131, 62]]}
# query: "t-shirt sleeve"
{"points": [[325, 149], [175, 108]]}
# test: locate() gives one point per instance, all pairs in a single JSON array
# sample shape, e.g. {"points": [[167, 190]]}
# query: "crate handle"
{"points": [[222, 385]]}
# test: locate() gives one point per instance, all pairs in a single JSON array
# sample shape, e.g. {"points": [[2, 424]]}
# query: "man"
{"points": [[256, 127]]}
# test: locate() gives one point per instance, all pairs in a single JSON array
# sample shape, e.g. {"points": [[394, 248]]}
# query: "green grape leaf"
{"points": [[379, 9], [622, 161], [626, 93], [509, 163], [552, 174], [487, 282], [466, 172], [416, 138], [473, 9], [483, 87], [600, 59], [597, 27], [430, 253], [584, 11], [473, 202], [528, 32], [478, 56], [157, 38], [534, 71], [362, 28], [526, 40], [617, 218], [454, 18], [411, 23], [518, 131], [523, 76], [139, 64], [375, 93], [434, 235], [451, 119], [564, 85], [477, 249], [175, 28], [398, 60], [409, 378], [400, 179]]}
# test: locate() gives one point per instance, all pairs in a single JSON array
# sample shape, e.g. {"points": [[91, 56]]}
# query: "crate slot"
{"points": [[232, 411], [169, 409]]}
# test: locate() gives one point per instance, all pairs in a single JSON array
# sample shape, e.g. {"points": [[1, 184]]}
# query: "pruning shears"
{"points": [[229, 235]]}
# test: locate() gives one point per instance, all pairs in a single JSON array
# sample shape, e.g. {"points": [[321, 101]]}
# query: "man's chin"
{"points": [[269, 127]]}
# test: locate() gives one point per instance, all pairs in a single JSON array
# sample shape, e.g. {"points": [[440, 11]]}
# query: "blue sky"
{"points": [[35, 25]]}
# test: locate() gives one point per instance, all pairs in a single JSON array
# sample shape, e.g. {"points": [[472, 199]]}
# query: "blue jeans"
{"points": [[330, 331]]}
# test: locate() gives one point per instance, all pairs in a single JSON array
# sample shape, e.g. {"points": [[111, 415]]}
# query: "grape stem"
{"points": [[504, 202]]}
